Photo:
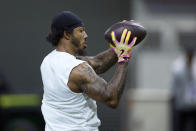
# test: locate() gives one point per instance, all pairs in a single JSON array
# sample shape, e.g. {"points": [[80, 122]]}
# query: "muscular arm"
{"points": [[101, 62], [84, 79]]}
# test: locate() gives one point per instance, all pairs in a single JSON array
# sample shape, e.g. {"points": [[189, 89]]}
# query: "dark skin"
{"points": [[84, 79], [101, 62]]}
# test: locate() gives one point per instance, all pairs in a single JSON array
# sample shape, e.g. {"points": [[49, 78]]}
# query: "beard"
{"points": [[82, 52], [76, 43]]}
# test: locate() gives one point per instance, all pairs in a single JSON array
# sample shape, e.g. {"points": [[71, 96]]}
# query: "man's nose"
{"points": [[85, 35]]}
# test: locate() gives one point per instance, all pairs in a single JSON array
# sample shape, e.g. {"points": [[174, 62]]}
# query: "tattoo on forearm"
{"points": [[97, 88], [107, 59], [101, 62], [118, 80]]}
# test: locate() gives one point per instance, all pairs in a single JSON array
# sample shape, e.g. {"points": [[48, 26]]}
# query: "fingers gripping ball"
{"points": [[122, 48], [136, 29]]}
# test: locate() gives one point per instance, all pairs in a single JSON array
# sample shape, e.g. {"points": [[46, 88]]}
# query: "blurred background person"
{"points": [[184, 89]]}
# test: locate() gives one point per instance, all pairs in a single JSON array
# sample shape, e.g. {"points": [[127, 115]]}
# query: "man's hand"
{"points": [[123, 48]]}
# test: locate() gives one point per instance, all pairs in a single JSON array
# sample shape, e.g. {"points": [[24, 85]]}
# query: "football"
{"points": [[136, 29]]}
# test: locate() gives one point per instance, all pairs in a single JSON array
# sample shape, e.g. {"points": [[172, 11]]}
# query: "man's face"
{"points": [[79, 37]]}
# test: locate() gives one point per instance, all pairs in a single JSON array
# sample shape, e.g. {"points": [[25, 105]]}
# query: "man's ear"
{"points": [[67, 35]]}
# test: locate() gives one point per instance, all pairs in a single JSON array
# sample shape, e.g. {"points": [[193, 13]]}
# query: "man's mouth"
{"points": [[85, 44]]}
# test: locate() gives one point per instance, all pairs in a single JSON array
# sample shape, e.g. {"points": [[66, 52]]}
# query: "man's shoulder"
{"points": [[48, 55], [83, 71], [80, 75], [55, 56]]}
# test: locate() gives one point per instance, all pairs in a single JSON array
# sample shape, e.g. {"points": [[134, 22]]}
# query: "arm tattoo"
{"points": [[89, 75], [106, 59], [117, 83], [85, 89], [101, 62], [98, 89]]}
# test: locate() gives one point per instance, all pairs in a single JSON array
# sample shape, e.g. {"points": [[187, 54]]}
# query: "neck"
{"points": [[66, 47]]}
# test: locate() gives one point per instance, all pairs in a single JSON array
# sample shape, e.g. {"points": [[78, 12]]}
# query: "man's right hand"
{"points": [[123, 48]]}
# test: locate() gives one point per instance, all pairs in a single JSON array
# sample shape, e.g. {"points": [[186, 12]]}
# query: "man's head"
{"points": [[69, 26]]}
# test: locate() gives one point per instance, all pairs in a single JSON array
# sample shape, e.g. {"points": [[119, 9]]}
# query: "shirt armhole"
{"points": [[69, 72]]}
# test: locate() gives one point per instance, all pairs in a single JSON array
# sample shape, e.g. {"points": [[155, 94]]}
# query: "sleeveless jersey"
{"points": [[64, 110]]}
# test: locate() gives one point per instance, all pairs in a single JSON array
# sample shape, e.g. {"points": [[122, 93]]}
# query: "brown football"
{"points": [[136, 29]]}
